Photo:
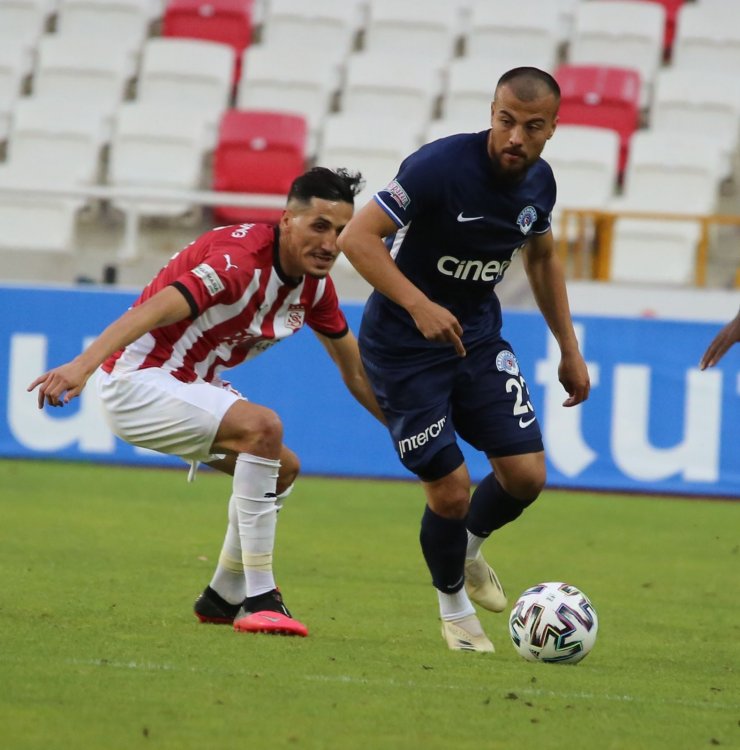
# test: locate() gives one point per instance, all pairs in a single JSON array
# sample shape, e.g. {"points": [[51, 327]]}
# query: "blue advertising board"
{"points": [[654, 421]]}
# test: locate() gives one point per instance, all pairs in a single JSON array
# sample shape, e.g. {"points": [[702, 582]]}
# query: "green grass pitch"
{"points": [[99, 648]]}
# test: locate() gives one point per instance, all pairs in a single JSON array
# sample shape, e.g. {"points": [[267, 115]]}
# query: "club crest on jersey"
{"points": [[526, 219], [398, 194], [506, 362], [295, 317]]}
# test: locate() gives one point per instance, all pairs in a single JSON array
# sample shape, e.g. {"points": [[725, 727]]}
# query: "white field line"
{"points": [[415, 685]]}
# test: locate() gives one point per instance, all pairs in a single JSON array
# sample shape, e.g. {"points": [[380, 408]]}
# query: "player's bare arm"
{"points": [[61, 384], [546, 277], [728, 336], [345, 353], [362, 243]]}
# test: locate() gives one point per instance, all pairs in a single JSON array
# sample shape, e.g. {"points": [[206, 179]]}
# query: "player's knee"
{"points": [[262, 433], [527, 486]]}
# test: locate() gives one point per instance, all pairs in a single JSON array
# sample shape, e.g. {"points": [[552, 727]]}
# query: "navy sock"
{"points": [[491, 507], [443, 542]]}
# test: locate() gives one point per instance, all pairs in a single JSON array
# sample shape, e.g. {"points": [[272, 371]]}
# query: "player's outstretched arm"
{"points": [[728, 336], [546, 277], [61, 384], [345, 353], [362, 242]]}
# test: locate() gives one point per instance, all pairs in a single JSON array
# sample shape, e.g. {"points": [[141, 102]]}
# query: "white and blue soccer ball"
{"points": [[553, 622]]}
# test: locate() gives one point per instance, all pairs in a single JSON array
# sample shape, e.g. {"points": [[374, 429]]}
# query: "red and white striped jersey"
{"points": [[241, 301]]}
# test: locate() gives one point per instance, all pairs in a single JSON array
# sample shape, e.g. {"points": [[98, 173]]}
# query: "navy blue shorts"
{"points": [[431, 397]]}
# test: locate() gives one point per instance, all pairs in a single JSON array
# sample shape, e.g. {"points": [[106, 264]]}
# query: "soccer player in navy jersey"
{"points": [[227, 297], [720, 344], [434, 243]]}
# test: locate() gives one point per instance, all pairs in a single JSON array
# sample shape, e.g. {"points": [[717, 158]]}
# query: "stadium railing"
{"points": [[594, 231]]}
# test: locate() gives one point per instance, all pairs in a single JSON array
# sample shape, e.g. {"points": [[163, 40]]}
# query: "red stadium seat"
{"points": [[603, 97], [257, 152], [225, 21], [671, 11]]}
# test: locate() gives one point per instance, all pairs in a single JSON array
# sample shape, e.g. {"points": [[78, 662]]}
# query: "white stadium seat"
{"points": [[191, 77], [374, 145], [281, 78], [36, 224], [52, 145], [121, 24], [672, 173], [84, 73], [471, 83], [330, 25], [708, 37], [585, 162], [152, 148], [441, 128], [428, 30], [620, 33], [693, 102], [394, 85], [530, 33]]}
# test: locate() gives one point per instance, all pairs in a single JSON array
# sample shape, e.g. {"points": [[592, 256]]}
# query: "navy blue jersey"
{"points": [[459, 226]]}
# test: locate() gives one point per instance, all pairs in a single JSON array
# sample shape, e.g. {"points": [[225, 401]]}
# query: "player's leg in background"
{"points": [[499, 499]]}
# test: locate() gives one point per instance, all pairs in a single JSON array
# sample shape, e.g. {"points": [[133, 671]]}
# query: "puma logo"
{"points": [[229, 264]]}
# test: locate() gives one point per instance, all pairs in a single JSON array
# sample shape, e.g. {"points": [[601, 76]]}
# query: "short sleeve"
{"points": [[325, 316], [415, 187]]}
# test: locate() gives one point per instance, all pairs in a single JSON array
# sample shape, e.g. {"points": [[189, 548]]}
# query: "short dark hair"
{"points": [[528, 83], [328, 184]]}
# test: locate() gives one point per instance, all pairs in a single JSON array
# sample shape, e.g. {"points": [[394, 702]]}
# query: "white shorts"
{"points": [[152, 409]]}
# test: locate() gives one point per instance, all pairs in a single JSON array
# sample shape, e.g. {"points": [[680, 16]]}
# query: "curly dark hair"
{"points": [[328, 184]]}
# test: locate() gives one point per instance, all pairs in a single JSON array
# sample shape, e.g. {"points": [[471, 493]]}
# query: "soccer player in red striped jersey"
{"points": [[227, 297]]}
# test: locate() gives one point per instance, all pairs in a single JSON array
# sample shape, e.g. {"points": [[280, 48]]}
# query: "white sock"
{"points": [[255, 479], [228, 581], [454, 606], [474, 545]]}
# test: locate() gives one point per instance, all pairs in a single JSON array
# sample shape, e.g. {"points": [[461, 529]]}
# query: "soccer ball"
{"points": [[553, 622]]}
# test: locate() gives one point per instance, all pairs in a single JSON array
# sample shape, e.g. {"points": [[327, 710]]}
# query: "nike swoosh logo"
{"points": [[522, 423], [462, 218], [270, 619]]}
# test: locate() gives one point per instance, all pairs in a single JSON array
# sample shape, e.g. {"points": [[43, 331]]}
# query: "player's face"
{"points": [[308, 236], [519, 131]]}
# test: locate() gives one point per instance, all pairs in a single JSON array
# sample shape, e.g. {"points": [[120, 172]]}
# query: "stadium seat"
{"points": [[52, 220], [531, 33], [82, 72], [257, 152], [123, 24], [672, 173], [361, 142], [225, 21], [584, 161], [470, 86], [52, 145], [621, 34], [11, 78], [443, 127], [151, 148], [427, 30], [190, 76], [373, 86], [278, 78], [694, 102], [708, 37], [330, 25], [23, 20], [601, 96]]}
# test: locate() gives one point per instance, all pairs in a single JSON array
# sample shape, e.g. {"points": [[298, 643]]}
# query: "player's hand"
{"points": [[728, 336], [60, 385], [437, 323], [573, 375]]}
